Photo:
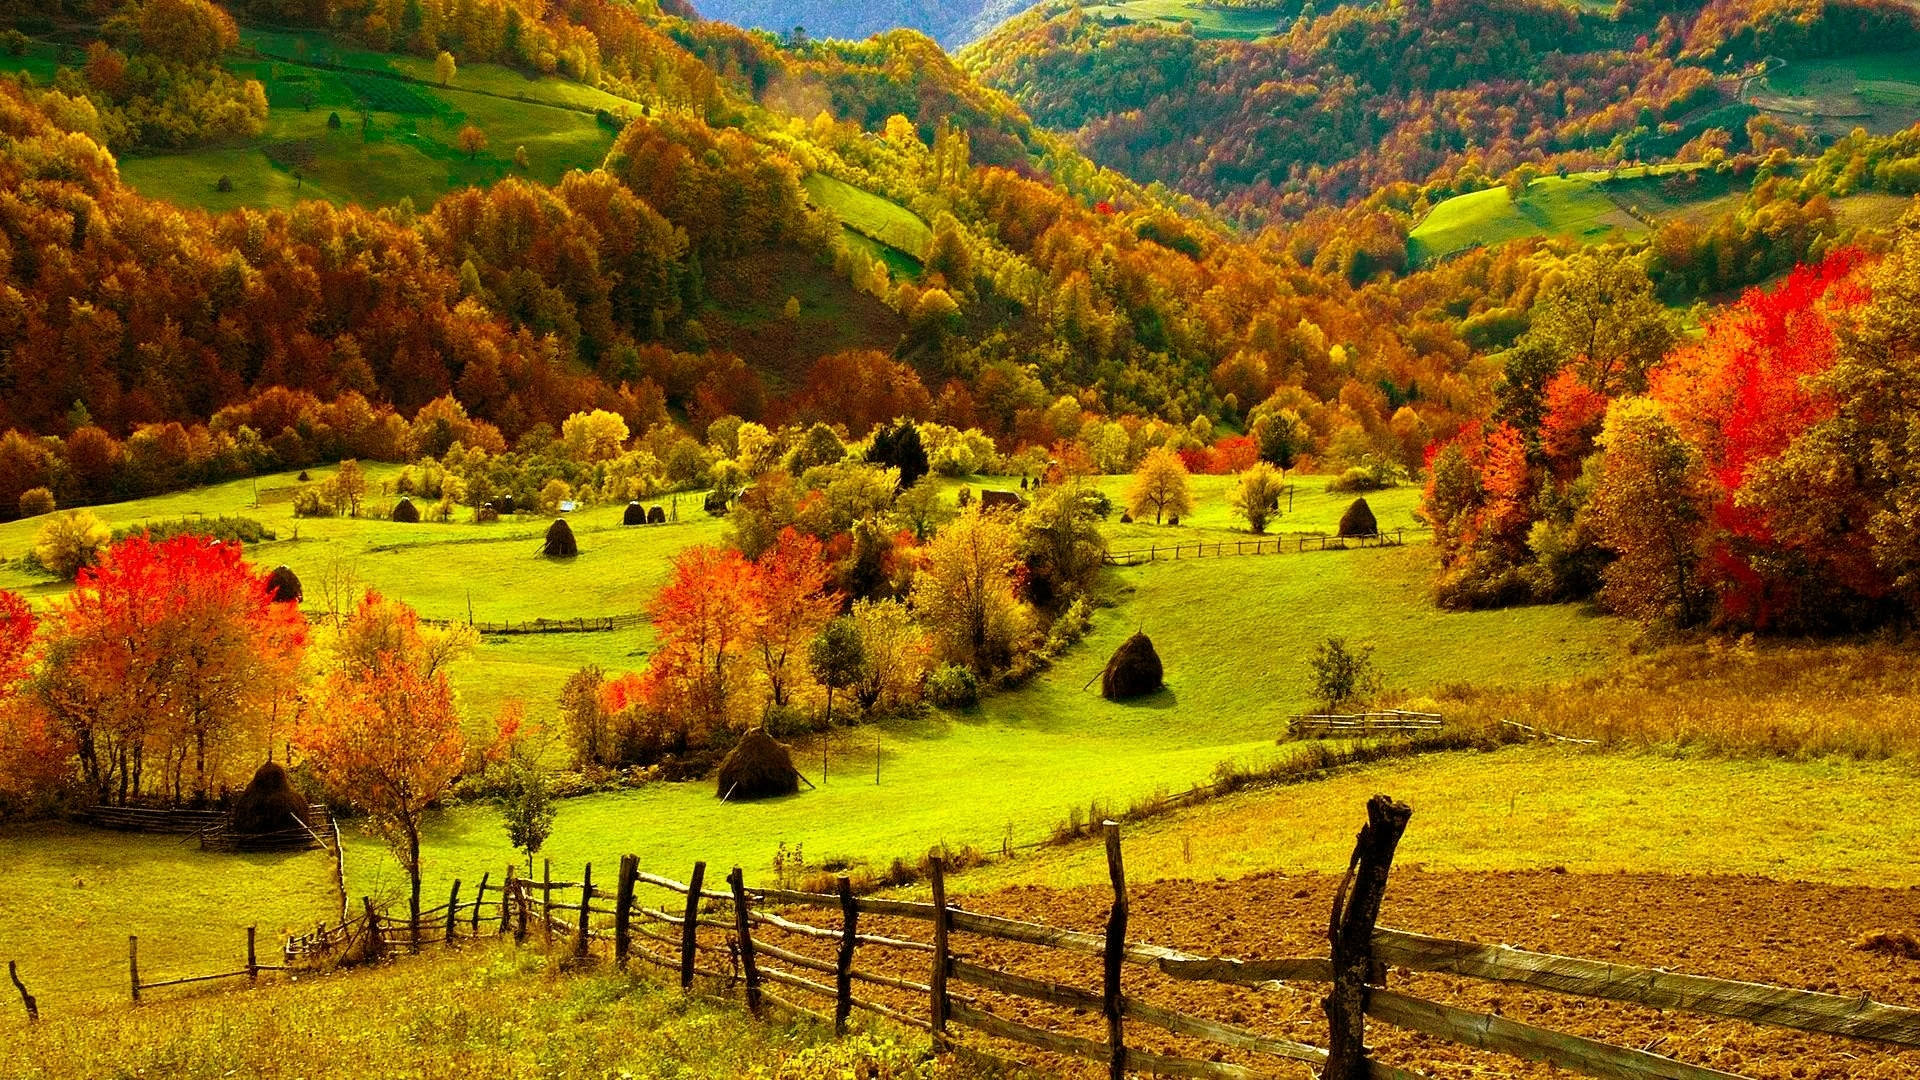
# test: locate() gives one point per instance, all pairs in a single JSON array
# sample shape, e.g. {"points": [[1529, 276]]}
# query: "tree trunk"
{"points": [[413, 874]]}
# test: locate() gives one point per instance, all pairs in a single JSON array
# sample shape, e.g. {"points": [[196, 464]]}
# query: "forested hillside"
{"points": [[1438, 94]]}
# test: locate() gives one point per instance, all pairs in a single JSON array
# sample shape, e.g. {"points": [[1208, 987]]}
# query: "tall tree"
{"points": [[703, 619], [1257, 496], [968, 595], [1160, 485], [1650, 510], [790, 604], [385, 735], [1601, 316]]}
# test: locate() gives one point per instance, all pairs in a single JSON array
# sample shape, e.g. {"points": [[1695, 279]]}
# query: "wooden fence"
{"points": [[1380, 721], [211, 828], [921, 964], [1214, 549], [600, 624], [250, 972]]}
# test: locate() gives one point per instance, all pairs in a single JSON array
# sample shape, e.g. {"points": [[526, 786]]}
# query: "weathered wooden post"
{"points": [[546, 903], [586, 912], [522, 905], [253, 958], [33, 1007], [622, 903], [1116, 953], [374, 944], [1356, 907], [690, 925], [506, 900], [133, 965], [453, 910], [843, 964], [744, 931], [942, 961], [479, 897]]}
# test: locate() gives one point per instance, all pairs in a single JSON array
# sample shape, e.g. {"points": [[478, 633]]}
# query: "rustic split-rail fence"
{"points": [[1375, 722], [212, 829], [1214, 549], [938, 967]]}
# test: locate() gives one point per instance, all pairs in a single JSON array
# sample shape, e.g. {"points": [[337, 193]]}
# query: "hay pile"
{"points": [[656, 516], [486, 513], [1133, 672], [1359, 520], [284, 586], [405, 512], [635, 515], [505, 505], [757, 768], [270, 803], [560, 543]]}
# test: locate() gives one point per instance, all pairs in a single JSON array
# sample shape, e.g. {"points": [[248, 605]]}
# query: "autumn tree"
{"points": [[1650, 511], [384, 734], [471, 140], [790, 603], [1160, 485], [836, 659], [1061, 542], [968, 595], [70, 542], [584, 717], [445, 68], [349, 486], [1601, 316], [703, 621], [1257, 496], [35, 756], [894, 655], [167, 656]]}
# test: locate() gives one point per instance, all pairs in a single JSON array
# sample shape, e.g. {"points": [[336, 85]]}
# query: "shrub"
{"points": [[1343, 673], [36, 501], [228, 529], [953, 687], [307, 502], [1372, 474], [69, 542]]}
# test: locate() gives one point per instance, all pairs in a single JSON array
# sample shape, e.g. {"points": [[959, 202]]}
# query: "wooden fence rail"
{"points": [[1379, 721], [755, 940], [1259, 545]]}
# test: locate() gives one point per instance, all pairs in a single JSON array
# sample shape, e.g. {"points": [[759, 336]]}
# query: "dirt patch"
{"points": [[1811, 937]]}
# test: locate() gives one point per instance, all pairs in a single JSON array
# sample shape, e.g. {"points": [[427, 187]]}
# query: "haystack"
{"points": [[284, 586], [1133, 672], [560, 542], [757, 768], [656, 516], [270, 803], [486, 513], [506, 505], [635, 515], [1359, 520], [405, 512]]}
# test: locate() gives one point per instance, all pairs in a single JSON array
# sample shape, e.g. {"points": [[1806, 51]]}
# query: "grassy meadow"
{"points": [[1206, 20], [486, 1010], [878, 219], [1833, 95]]}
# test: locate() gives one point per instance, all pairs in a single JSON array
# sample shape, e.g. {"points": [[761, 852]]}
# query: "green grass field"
{"points": [[879, 219], [1552, 206], [488, 1010], [1206, 20], [405, 149], [1876, 91]]}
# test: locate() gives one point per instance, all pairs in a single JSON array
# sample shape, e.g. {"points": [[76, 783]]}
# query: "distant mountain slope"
{"points": [[1439, 93], [950, 22]]}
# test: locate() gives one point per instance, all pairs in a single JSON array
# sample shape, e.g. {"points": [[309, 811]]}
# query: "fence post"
{"points": [[133, 965], [253, 958], [843, 965], [937, 870], [479, 897], [506, 899], [1112, 1003], [33, 1007], [690, 925], [522, 904], [622, 901], [546, 903], [374, 945], [586, 912], [745, 933], [1356, 907], [453, 910]]}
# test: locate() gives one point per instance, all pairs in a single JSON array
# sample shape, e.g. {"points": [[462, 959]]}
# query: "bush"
{"points": [[1343, 673], [70, 542], [35, 502], [1372, 474], [228, 529], [953, 687], [307, 502]]}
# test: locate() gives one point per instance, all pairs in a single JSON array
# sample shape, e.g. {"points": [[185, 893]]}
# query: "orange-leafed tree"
{"points": [[791, 603], [704, 619], [385, 735], [167, 656], [34, 758]]}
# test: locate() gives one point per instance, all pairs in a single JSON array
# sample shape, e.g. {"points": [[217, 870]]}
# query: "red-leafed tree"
{"points": [[34, 757], [1740, 397], [1569, 423], [167, 656], [704, 620], [385, 735], [791, 602]]}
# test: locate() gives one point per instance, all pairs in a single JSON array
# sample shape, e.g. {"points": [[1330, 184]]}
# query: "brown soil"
{"points": [[1811, 937]]}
